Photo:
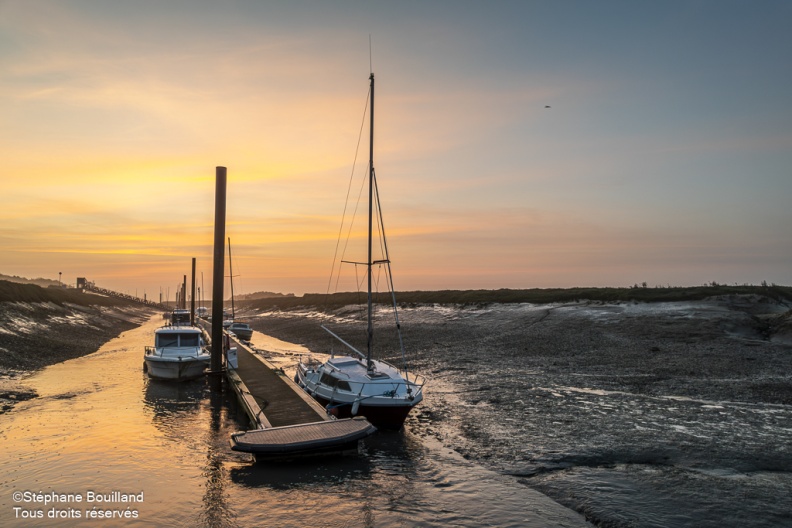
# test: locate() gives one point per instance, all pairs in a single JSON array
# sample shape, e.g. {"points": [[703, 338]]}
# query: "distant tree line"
{"points": [[636, 293]]}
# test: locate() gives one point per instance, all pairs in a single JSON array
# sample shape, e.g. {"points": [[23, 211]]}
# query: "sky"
{"points": [[665, 155]]}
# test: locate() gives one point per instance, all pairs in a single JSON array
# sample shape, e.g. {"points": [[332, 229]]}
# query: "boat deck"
{"points": [[297, 440], [278, 400]]}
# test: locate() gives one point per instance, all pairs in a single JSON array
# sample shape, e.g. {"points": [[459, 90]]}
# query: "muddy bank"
{"points": [[36, 334], [633, 414], [734, 347]]}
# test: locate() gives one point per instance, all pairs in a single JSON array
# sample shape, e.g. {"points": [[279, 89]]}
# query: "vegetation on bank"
{"points": [[535, 296], [18, 292], [44, 283]]}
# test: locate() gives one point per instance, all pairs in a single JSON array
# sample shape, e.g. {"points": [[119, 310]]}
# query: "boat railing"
{"points": [[309, 361], [416, 378], [364, 388], [411, 380], [380, 388]]}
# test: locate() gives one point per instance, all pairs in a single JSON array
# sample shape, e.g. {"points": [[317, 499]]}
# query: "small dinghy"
{"points": [[304, 439]]}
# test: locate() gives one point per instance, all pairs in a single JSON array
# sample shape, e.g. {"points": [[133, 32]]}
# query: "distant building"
{"points": [[84, 284]]}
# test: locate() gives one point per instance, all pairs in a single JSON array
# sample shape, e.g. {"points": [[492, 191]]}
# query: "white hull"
{"points": [[176, 369], [344, 384], [178, 354]]}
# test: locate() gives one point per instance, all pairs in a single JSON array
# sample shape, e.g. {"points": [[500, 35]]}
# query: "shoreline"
{"points": [[34, 335], [569, 398]]}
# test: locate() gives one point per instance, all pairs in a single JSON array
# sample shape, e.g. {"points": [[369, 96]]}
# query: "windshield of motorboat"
{"points": [[180, 317], [177, 340]]}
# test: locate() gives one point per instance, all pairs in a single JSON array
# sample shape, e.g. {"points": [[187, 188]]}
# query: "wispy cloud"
{"points": [[114, 117]]}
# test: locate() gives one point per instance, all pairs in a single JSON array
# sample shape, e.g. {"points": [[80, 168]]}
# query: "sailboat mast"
{"points": [[231, 274], [370, 337]]}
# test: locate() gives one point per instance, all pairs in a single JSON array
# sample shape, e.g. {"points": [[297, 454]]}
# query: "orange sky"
{"points": [[648, 167]]}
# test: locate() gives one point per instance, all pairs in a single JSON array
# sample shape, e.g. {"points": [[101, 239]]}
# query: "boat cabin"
{"points": [[353, 368], [180, 317], [331, 381], [178, 339]]}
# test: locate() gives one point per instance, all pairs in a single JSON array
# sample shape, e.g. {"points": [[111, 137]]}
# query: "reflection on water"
{"points": [[217, 510], [305, 474], [101, 425]]}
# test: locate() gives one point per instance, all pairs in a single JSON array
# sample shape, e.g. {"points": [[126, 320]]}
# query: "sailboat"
{"points": [[242, 330], [228, 317], [359, 385]]}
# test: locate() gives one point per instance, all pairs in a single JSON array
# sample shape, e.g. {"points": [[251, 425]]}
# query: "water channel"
{"points": [[103, 445]]}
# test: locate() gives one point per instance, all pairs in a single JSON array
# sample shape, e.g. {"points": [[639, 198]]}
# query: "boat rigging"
{"points": [[360, 384]]}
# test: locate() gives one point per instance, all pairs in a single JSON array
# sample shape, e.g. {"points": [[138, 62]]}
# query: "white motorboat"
{"points": [[359, 384], [179, 353]]}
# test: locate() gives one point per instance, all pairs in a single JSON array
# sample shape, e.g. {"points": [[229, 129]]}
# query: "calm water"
{"points": [[100, 426]]}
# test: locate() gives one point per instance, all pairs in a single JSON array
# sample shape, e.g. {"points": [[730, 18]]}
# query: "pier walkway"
{"points": [[279, 399], [286, 422]]}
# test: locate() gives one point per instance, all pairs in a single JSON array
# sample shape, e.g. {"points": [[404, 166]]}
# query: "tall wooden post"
{"points": [[218, 273]]}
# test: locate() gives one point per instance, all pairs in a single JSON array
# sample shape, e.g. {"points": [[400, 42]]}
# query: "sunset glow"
{"points": [[519, 144]]}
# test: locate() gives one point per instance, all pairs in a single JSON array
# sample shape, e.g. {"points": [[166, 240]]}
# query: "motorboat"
{"points": [[179, 353], [180, 316]]}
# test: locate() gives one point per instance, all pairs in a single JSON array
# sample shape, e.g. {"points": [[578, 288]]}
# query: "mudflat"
{"points": [[36, 334], [630, 413], [727, 347]]}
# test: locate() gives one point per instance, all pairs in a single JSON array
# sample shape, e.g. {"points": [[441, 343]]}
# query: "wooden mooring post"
{"points": [[218, 276]]}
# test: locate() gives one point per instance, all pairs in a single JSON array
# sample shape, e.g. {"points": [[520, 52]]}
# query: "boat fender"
{"points": [[296, 378], [355, 407], [332, 411], [145, 368]]}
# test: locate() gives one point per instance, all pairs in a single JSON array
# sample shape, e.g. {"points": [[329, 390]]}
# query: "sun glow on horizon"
{"points": [[522, 146]]}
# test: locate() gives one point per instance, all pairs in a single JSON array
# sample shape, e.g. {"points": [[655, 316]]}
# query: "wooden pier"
{"points": [[285, 421], [271, 399]]}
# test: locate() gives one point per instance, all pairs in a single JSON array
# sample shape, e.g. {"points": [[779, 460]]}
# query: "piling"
{"points": [[218, 274]]}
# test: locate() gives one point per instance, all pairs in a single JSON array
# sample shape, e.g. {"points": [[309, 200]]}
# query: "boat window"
{"points": [[167, 340], [332, 381], [188, 340], [328, 380], [178, 317]]}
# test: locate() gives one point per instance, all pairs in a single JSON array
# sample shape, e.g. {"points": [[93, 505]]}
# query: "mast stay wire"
{"points": [[346, 204], [389, 275]]}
